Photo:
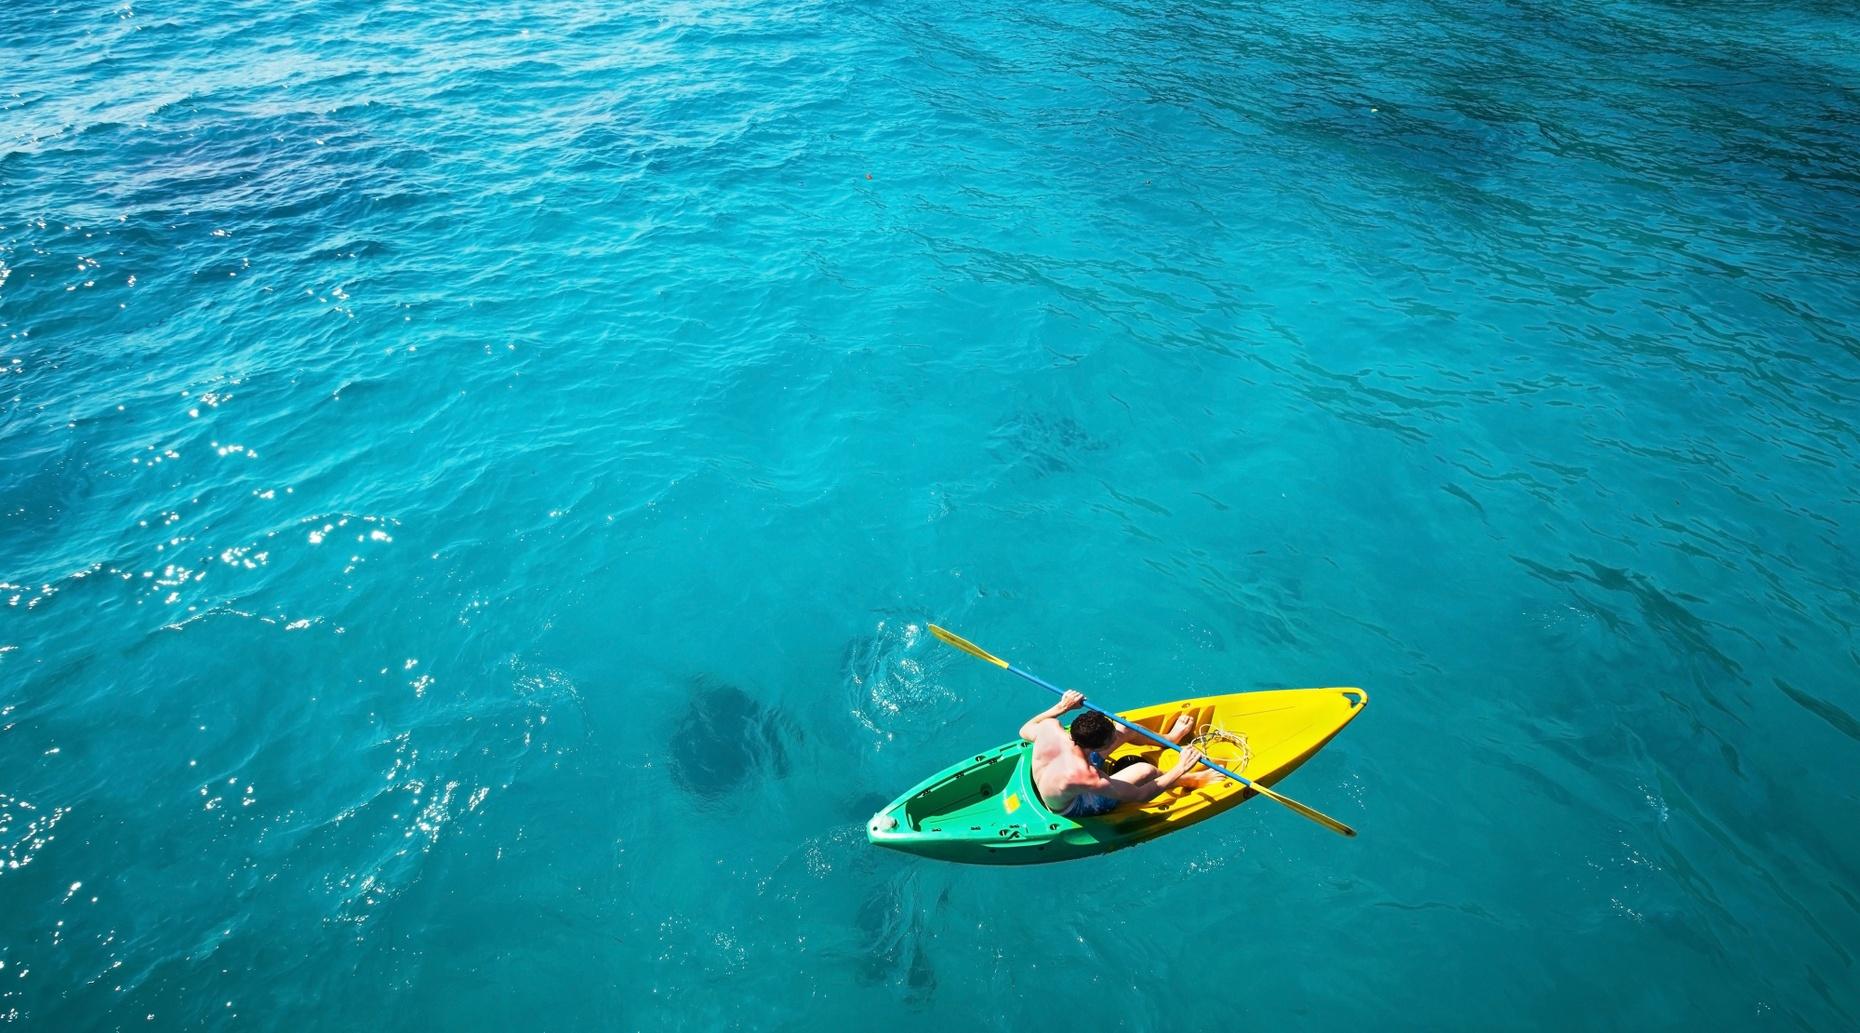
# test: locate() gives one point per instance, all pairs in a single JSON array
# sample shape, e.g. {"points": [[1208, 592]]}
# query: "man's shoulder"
{"points": [[1051, 738]]}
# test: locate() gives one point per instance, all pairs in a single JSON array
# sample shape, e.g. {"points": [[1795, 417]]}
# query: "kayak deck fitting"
{"points": [[985, 810]]}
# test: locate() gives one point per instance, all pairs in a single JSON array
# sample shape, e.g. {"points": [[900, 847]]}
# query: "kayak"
{"points": [[985, 809]]}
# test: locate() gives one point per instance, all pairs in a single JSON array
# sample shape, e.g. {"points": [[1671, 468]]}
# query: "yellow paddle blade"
{"points": [[1318, 816], [966, 646]]}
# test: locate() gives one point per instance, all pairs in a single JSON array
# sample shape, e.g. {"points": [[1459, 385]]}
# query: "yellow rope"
{"points": [[1228, 749]]}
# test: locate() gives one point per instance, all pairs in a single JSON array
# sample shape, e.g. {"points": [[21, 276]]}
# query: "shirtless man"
{"points": [[1065, 763]]}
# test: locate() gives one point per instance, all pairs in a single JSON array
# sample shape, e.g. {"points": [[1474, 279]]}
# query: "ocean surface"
{"points": [[474, 480]]}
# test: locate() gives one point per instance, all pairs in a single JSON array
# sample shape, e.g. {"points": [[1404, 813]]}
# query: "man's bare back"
{"points": [[1073, 786]]}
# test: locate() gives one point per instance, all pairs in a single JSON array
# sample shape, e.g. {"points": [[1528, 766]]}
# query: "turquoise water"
{"points": [[472, 485]]}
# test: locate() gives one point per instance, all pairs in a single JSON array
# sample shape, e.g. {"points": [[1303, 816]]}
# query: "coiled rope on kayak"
{"points": [[1226, 748]]}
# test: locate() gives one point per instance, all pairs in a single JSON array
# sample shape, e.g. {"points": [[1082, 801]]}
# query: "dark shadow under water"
{"points": [[723, 737]]}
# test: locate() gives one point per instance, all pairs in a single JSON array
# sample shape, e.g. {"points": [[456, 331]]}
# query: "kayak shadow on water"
{"points": [[724, 738]]}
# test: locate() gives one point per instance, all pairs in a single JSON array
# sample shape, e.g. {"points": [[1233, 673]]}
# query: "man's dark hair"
{"points": [[1092, 730]]}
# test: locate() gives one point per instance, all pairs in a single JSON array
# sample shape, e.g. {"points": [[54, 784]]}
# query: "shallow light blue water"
{"points": [[472, 485]]}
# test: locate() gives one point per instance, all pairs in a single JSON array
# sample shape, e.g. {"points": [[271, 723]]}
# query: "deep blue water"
{"points": [[472, 484]]}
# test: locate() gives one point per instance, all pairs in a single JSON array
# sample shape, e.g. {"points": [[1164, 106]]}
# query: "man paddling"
{"points": [[1067, 763]]}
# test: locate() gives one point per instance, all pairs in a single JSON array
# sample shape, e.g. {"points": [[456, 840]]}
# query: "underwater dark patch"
{"points": [[1043, 443], [894, 935], [723, 737]]}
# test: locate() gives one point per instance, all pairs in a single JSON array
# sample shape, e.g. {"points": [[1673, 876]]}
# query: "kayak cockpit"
{"points": [[973, 796]]}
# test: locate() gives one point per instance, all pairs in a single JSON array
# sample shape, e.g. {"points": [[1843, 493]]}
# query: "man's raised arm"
{"points": [[1070, 701]]}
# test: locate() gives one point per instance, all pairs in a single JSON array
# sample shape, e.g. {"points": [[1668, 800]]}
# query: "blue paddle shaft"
{"points": [[1139, 729]]}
